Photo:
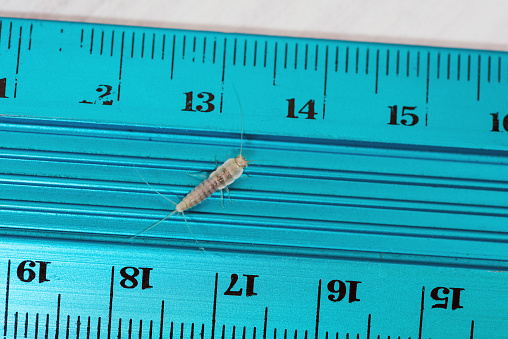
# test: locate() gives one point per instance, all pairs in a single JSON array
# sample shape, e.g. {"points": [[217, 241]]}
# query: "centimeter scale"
{"points": [[376, 206]]}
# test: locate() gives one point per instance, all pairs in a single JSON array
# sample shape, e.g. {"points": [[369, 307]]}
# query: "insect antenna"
{"points": [[241, 117]]}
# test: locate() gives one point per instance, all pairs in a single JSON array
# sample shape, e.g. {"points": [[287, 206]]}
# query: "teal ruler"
{"points": [[376, 207]]}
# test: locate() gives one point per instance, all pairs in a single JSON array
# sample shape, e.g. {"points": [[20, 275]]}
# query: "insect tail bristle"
{"points": [[152, 226]]}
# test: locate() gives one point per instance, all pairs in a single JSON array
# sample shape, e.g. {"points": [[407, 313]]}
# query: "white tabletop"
{"points": [[449, 23]]}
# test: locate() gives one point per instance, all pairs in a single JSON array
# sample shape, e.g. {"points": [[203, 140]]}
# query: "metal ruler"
{"points": [[376, 208]]}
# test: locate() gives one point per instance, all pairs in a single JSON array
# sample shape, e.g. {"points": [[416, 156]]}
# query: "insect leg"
{"points": [[192, 233], [229, 195], [222, 198], [198, 176]]}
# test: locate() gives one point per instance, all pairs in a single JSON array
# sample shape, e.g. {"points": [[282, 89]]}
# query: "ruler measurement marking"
{"points": [[112, 42], [17, 63], [448, 68], [99, 328], [296, 55], [143, 46], [10, 34], [368, 326], [377, 69], [479, 76], [316, 58], [202, 331], [150, 330], [7, 286], [29, 36], [183, 46], [173, 56], [418, 64], [245, 52], [181, 331], [266, 47], [57, 323], [81, 42], [367, 62], [255, 52], [36, 325], [46, 332], [193, 49], [15, 325], [499, 69], [408, 63], [265, 323], [214, 307], [121, 64], [110, 300], [192, 331], [153, 45], [140, 332], [336, 58], [421, 313], [78, 324], [306, 56], [357, 56], [458, 67], [26, 324], [223, 74], [164, 47], [387, 62], [347, 58], [119, 328], [91, 41], [88, 328], [204, 49], [275, 64], [438, 63], [318, 308], [162, 320], [428, 74], [469, 67], [286, 55], [130, 329], [102, 41], [325, 81], [234, 53], [488, 76], [67, 327], [132, 45], [398, 63], [472, 329], [214, 49]]}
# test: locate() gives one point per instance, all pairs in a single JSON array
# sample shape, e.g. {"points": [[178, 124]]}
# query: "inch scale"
{"points": [[377, 210]]}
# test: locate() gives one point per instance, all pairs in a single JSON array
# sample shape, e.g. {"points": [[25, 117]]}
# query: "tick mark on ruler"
{"points": [[112, 42], [336, 58], [255, 52], [387, 62], [398, 62], [245, 52], [306, 55], [377, 69], [121, 64], [173, 56], [479, 76], [142, 45], [275, 64], [204, 49], [29, 38], [10, 34], [164, 46], [153, 45], [102, 41], [91, 41], [326, 81], [316, 58]]}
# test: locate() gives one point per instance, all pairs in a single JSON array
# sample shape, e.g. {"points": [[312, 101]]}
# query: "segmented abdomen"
{"points": [[220, 178]]}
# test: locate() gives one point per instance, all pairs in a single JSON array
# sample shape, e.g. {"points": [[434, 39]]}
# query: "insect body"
{"points": [[219, 179]]}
